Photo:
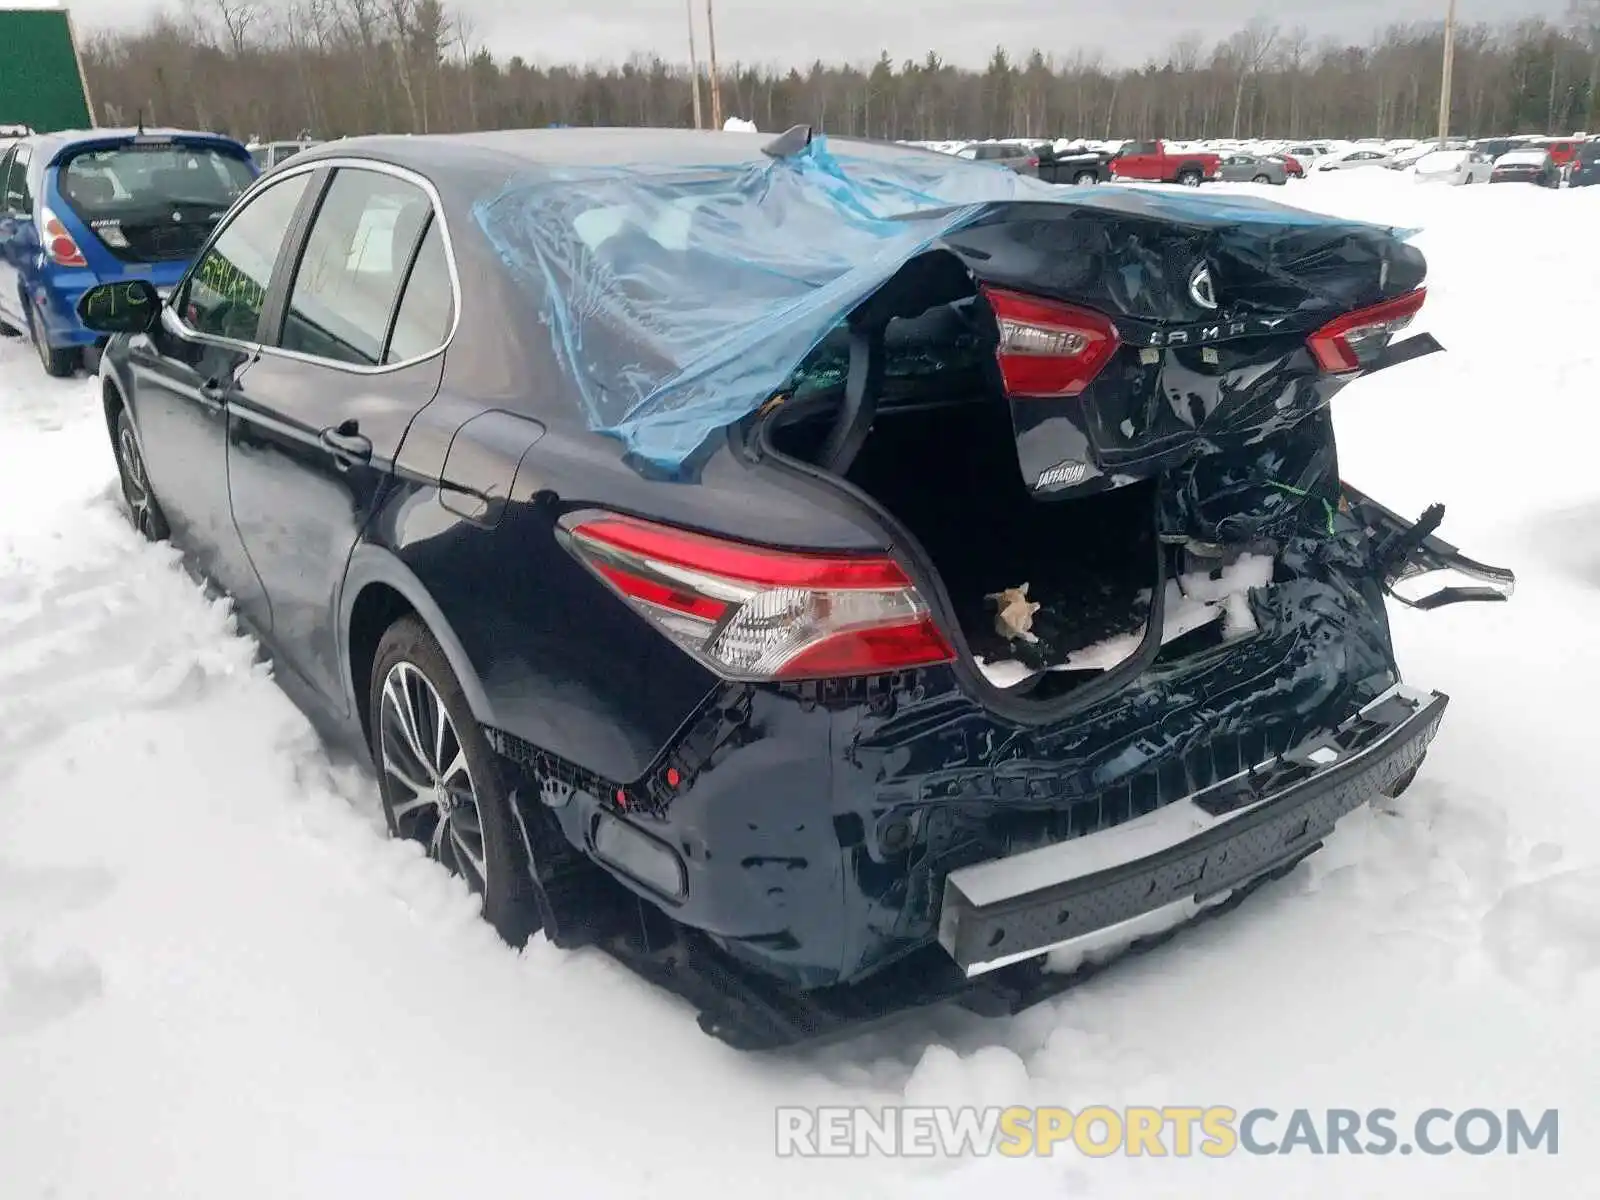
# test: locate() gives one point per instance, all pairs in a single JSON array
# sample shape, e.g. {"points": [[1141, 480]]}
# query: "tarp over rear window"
{"points": [[680, 298]]}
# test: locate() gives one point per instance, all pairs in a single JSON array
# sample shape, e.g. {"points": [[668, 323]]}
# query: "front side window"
{"points": [[355, 261], [228, 287]]}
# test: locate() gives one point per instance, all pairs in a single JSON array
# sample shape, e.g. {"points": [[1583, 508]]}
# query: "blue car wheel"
{"points": [[58, 363]]}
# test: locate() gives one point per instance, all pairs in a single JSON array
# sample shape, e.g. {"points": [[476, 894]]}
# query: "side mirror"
{"points": [[132, 307]]}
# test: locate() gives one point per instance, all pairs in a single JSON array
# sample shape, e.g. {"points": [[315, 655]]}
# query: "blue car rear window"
{"points": [[129, 180]]}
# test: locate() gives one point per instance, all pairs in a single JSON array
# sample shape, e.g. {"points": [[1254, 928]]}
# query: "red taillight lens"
{"points": [[1048, 348], [1034, 161], [63, 251], [751, 612], [1350, 342]]}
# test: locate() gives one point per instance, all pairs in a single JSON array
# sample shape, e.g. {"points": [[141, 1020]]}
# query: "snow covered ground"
{"points": [[218, 978]]}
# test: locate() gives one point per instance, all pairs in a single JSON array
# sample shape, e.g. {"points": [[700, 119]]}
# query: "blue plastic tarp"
{"points": [[679, 299]]}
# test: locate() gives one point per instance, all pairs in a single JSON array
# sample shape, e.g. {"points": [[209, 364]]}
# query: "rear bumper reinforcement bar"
{"points": [[1113, 886]]}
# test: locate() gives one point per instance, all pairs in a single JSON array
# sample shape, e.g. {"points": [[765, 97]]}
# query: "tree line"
{"points": [[273, 68]]}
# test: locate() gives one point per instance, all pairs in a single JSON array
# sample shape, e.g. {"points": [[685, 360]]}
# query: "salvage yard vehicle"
{"points": [[1534, 166], [82, 209], [1253, 168], [1161, 162], [828, 576], [1455, 167]]}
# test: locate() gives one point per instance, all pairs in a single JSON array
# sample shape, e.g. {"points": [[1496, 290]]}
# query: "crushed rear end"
{"points": [[1122, 651]]}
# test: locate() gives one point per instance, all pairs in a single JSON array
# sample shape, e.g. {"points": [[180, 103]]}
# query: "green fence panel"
{"points": [[41, 85]]}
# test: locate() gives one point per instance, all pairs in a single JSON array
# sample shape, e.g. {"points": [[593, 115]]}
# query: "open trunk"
{"points": [[1068, 439], [946, 470]]}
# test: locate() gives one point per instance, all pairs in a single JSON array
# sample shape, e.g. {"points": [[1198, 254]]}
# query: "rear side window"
{"points": [[228, 287], [5, 178], [19, 196], [429, 304], [355, 261]]}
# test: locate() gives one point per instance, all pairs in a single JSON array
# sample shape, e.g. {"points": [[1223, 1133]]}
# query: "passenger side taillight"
{"points": [[1048, 348], [1354, 340], [751, 612], [58, 243]]}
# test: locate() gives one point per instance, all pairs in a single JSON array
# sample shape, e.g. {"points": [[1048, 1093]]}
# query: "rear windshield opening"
{"points": [[153, 203]]}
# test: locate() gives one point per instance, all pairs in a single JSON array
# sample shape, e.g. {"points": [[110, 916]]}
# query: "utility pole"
{"points": [[716, 87], [1449, 65], [694, 65]]}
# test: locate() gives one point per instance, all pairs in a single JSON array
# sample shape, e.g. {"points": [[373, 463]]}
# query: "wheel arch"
{"points": [[380, 589]]}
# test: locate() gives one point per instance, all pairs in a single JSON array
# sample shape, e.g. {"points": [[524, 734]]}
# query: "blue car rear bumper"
{"points": [[55, 297]]}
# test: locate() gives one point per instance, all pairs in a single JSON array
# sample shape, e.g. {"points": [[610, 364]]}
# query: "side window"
{"points": [[428, 306], [5, 176], [228, 287], [354, 263], [19, 196]]}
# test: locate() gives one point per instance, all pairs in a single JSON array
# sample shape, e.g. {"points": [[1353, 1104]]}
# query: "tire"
{"points": [[144, 510], [1262, 179], [1189, 177], [452, 800], [58, 364], [1085, 179]]}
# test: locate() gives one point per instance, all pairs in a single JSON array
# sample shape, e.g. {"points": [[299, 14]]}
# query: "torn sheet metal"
{"points": [[680, 298]]}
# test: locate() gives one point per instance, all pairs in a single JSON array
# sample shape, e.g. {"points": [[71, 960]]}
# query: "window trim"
{"points": [[295, 241]]}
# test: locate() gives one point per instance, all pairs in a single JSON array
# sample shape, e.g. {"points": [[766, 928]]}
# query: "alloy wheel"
{"points": [[135, 483], [432, 796]]}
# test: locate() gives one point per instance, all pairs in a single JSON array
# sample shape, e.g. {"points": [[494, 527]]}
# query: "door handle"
{"points": [[346, 443]]}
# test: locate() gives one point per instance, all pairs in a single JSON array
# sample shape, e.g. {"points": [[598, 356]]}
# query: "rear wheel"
{"points": [[143, 510], [1189, 177], [438, 778], [1085, 178], [1262, 179], [59, 363]]}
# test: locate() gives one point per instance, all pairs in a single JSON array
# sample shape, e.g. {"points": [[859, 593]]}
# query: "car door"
{"points": [[184, 371], [1140, 160], [354, 351]]}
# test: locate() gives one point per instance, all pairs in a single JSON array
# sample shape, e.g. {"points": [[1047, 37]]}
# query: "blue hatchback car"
{"points": [[102, 206]]}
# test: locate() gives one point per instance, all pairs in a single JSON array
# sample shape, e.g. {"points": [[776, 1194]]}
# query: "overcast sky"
{"points": [[965, 31]]}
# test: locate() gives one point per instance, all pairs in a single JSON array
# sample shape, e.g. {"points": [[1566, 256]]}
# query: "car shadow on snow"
{"points": [[1567, 540]]}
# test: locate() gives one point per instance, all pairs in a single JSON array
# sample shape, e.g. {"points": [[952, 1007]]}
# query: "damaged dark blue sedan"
{"points": [[827, 576]]}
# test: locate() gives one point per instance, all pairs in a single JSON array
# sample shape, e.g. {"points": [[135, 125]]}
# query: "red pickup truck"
{"points": [[1156, 162]]}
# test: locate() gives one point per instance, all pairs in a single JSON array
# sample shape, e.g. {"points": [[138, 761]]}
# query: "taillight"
{"points": [[1034, 161], [1048, 348], [751, 612], [58, 243], [1352, 341]]}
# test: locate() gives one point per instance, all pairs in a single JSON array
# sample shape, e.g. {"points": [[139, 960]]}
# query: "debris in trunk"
{"points": [[1015, 616], [1193, 600]]}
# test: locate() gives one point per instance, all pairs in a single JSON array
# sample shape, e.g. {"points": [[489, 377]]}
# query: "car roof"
{"points": [[622, 147], [48, 145]]}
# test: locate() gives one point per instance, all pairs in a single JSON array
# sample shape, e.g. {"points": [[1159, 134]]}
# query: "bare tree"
{"points": [[1249, 49], [274, 67]]}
